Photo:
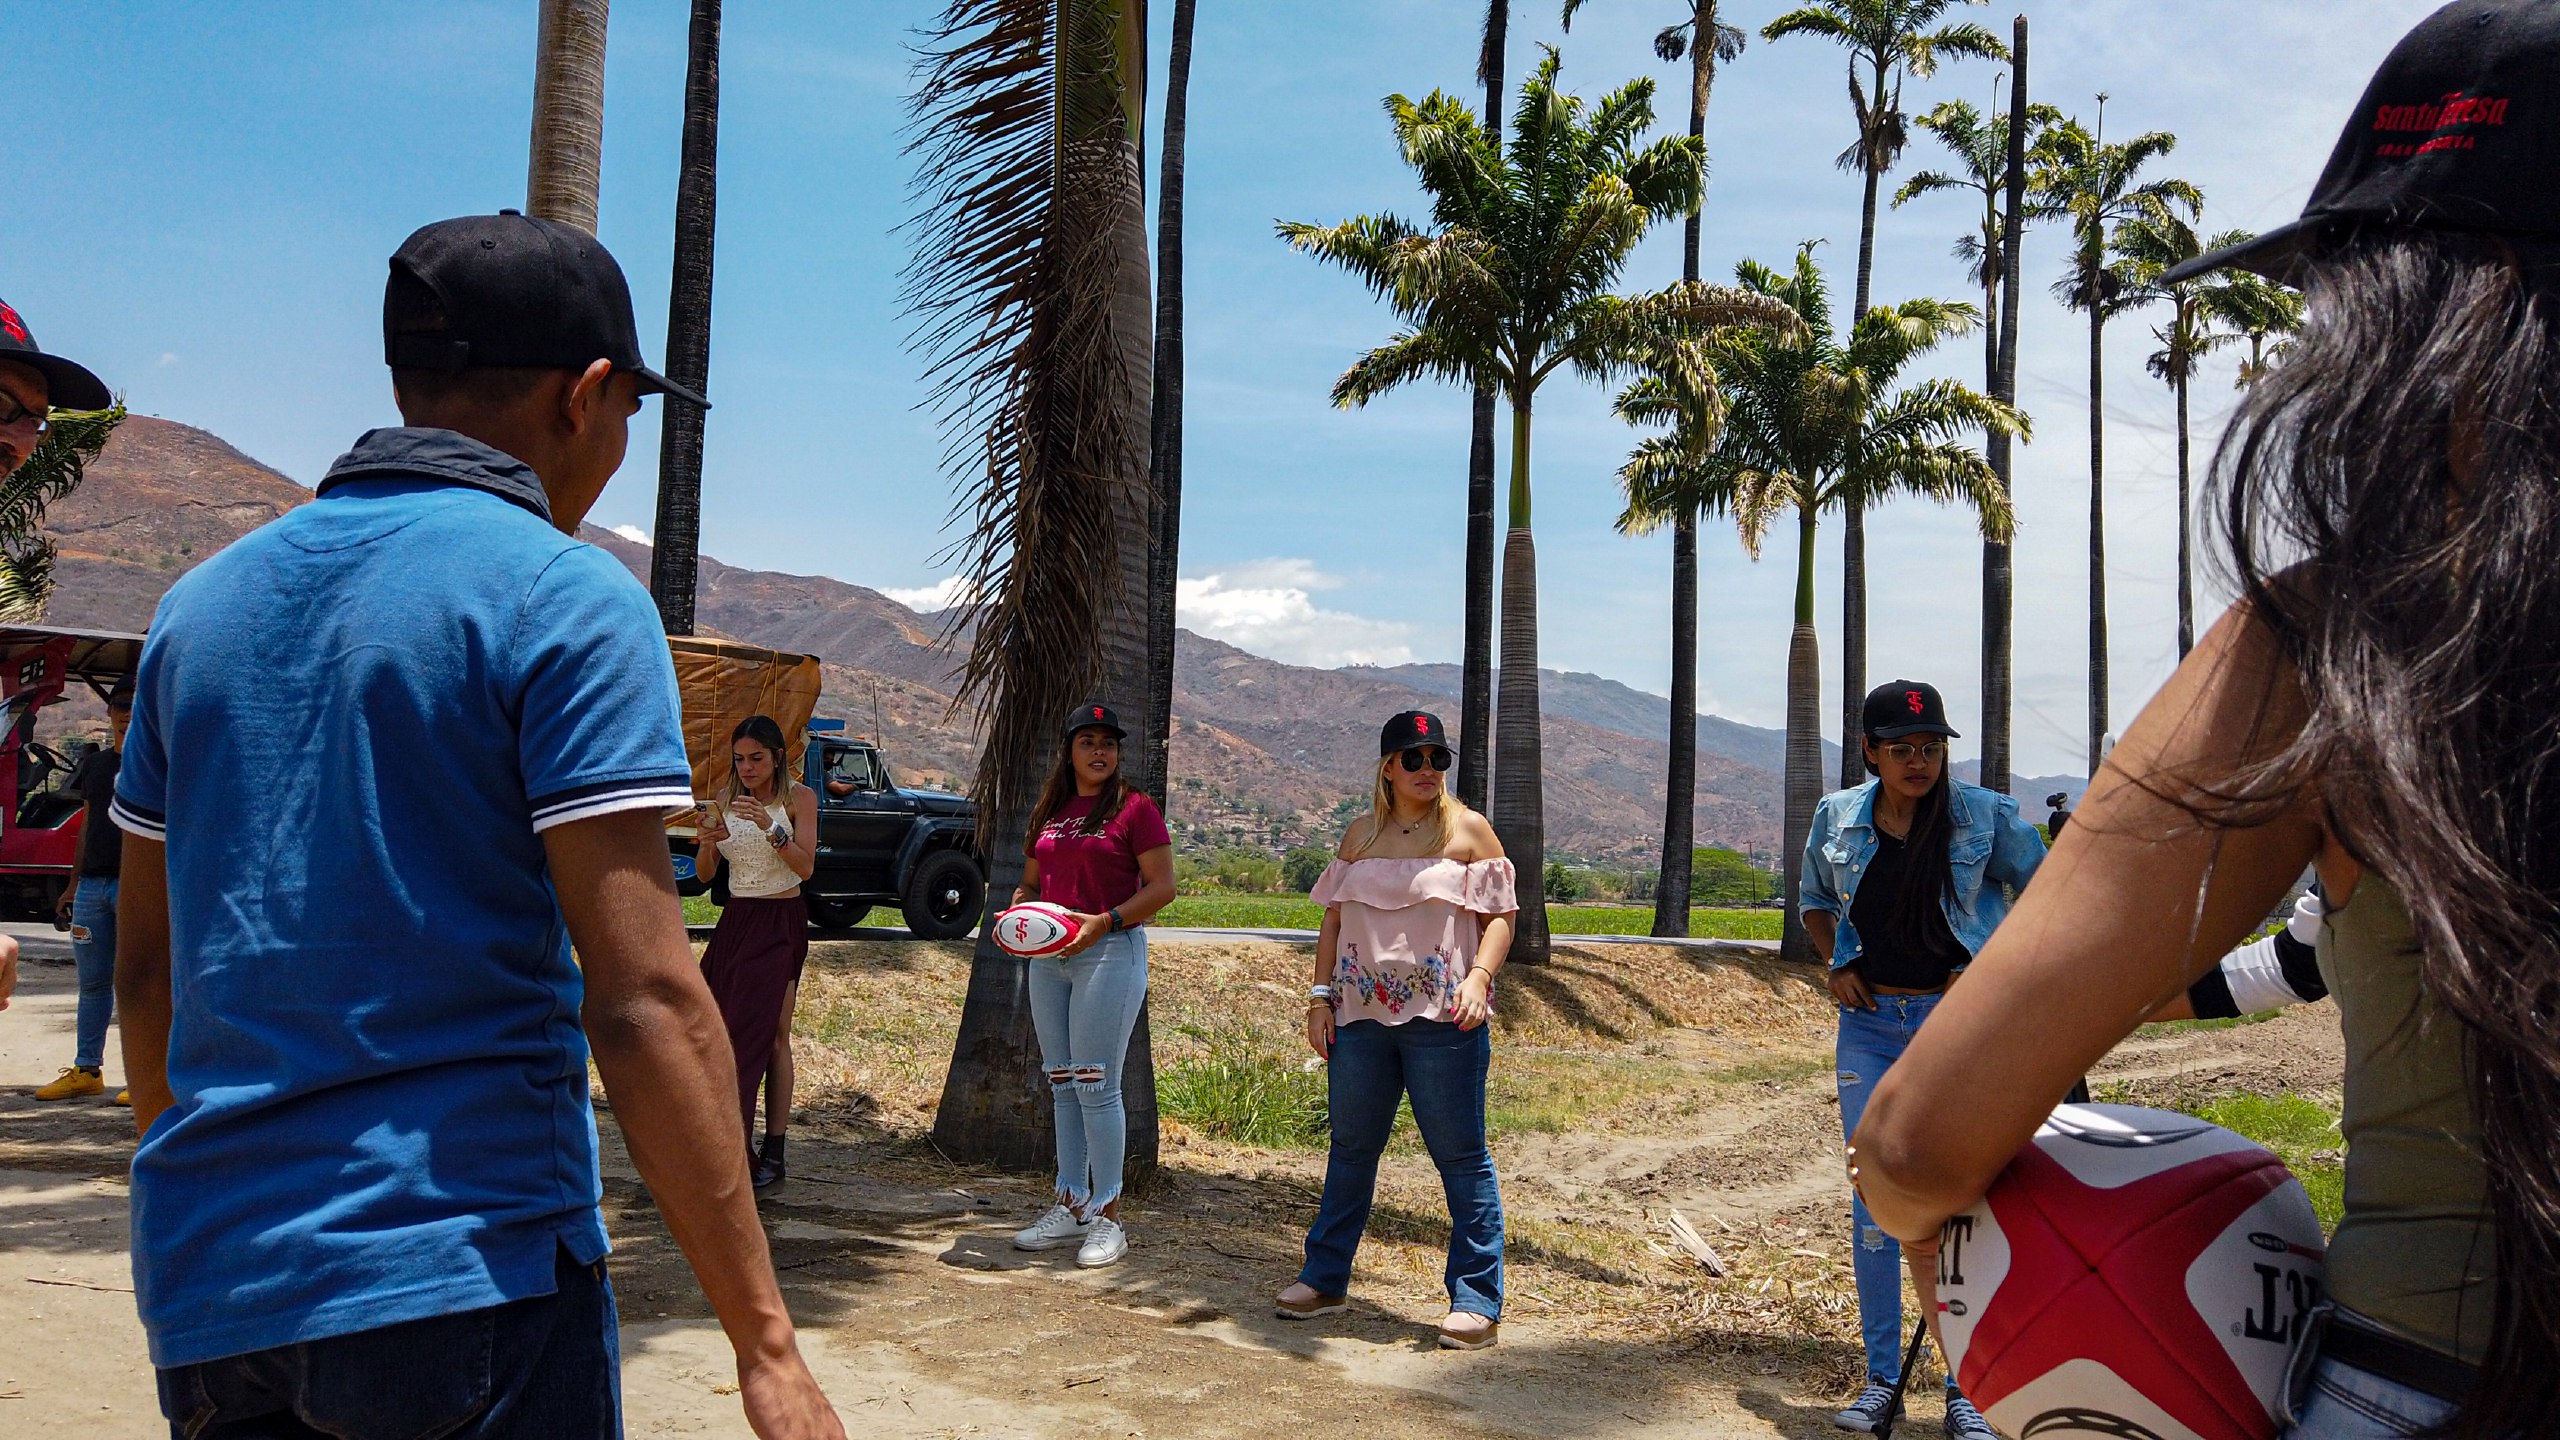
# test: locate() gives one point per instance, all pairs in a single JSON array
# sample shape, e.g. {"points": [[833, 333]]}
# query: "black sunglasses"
{"points": [[1440, 759]]}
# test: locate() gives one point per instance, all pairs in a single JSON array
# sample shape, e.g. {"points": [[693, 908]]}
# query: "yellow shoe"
{"points": [[74, 1082], [125, 1098]]}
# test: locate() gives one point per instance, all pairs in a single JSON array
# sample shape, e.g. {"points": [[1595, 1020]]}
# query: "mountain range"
{"points": [[1262, 753]]}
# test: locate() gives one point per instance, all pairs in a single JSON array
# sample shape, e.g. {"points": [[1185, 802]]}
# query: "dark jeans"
{"points": [[547, 1368], [1442, 1068]]}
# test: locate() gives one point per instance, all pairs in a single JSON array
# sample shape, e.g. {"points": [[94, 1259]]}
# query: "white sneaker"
{"points": [[1056, 1230], [1106, 1244]]}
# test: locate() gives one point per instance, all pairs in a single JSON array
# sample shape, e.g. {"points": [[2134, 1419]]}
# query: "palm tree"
{"points": [[60, 460], [676, 543], [568, 113], [2152, 244], [1890, 40], [1811, 424], [1475, 671], [1029, 284], [2264, 313], [1705, 39], [2093, 182], [1989, 156], [1164, 436], [1512, 285]]}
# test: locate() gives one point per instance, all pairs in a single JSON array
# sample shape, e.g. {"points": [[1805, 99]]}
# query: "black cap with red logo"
{"points": [[1904, 707], [508, 291], [68, 385], [1092, 716], [1413, 730], [2458, 130]]}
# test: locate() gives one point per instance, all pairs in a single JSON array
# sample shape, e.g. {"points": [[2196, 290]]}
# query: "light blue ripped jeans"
{"points": [[1084, 1010], [1870, 1041]]}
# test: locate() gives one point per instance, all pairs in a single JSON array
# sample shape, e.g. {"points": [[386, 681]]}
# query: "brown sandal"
{"points": [[1470, 1340], [1309, 1308]]}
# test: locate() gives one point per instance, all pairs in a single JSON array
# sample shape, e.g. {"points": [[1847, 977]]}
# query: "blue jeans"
{"points": [[93, 948], [1443, 1068], [2344, 1403], [546, 1368], [1084, 1010], [1870, 1041]]}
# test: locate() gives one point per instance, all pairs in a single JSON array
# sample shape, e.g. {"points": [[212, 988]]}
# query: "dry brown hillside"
{"points": [[1262, 752]]}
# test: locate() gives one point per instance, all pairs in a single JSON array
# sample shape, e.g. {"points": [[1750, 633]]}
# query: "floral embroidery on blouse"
{"points": [[1393, 986]]}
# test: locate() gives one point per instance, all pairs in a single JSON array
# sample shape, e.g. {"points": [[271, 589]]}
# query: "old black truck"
{"points": [[879, 843]]}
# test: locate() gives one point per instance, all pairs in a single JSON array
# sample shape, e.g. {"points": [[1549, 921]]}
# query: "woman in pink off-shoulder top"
{"points": [[1418, 914]]}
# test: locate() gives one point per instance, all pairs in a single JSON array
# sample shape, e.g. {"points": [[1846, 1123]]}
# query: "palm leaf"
{"points": [[54, 469]]}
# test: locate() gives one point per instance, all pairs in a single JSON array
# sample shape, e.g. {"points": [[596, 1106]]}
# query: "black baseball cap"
{"points": [[2459, 130], [1413, 730], [1904, 707], [1094, 716], [68, 384], [508, 290]]}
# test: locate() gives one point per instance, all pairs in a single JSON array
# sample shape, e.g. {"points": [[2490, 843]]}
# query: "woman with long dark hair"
{"points": [[1419, 910], [2383, 703], [764, 826], [1101, 850], [1905, 877]]}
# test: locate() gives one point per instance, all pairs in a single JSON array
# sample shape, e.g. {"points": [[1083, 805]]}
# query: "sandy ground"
{"points": [[922, 1321]]}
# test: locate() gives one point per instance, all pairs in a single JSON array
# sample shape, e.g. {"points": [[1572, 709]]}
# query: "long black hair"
{"points": [[2390, 502], [1917, 919], [1060, 788]]}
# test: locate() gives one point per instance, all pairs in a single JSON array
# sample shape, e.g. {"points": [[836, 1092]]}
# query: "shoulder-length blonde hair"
{"points": [[1382, 808]]}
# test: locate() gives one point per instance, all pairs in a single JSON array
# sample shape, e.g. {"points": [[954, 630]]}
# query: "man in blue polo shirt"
{"points": [[392, 754]]}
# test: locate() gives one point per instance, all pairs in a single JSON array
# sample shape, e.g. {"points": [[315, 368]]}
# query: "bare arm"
{"points": [[801, 855], [665, 1059], [142, 977], [8, 969], [1028, 887], [1155, 887], [2107, 935], [1474, 1003]]}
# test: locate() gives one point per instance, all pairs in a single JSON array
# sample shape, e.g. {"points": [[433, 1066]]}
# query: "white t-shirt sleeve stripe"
{"points": [[133, 823], [2255, 974], [665, 799]]}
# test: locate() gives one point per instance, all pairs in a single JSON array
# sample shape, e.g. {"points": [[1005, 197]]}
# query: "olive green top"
{"points": [[2416, 1250]]}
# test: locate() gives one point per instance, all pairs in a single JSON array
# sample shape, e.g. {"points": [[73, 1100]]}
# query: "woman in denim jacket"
{"points": [[1943, 859]]}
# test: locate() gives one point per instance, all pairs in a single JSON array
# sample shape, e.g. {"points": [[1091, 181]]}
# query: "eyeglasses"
{"points": [[1412, 760], [11, 413], [1902, 752]]}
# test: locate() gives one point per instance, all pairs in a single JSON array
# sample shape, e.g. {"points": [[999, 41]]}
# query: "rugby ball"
{"points": [[2133, 1273], [1035, 927]]}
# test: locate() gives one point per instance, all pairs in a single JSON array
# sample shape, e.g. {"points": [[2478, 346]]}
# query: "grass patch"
{"points": [[698, 910], [1233, 1089], [2301, 1131], [1549, 1094], [2176, 1027], [1297, 912]]}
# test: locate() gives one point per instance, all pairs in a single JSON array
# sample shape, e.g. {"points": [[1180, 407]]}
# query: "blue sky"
{"points": [[203, 195]]}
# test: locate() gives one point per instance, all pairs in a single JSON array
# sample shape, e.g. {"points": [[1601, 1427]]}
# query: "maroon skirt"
{"points": [[755, 953]]}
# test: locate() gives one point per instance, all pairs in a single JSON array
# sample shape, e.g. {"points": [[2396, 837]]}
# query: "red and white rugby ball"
{"points": [[1035, 927], [2132, 1273]]}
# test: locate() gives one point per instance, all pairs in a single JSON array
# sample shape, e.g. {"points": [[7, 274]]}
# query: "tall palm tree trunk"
{"points": [[1853, 540], [2097, 529], [2186, 591], [567, 167], [675, 543], [994, 1106], [1680, 773], [1475, 681], [1804, 743], [1998, 576], [1519, 799], [1164, 458]]}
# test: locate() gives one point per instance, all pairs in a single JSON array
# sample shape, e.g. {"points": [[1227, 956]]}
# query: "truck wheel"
{"points": [[829, 913], [944, 896]]}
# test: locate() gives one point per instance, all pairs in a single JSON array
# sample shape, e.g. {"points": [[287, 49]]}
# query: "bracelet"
{"points": [[1319, 992], [1117, 924]]}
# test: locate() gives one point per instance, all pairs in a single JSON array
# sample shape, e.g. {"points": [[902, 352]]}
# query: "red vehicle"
{"points": [[40, 829]]}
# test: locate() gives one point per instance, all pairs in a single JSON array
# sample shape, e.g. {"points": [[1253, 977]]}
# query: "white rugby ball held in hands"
{"points": [[1035, 927]]}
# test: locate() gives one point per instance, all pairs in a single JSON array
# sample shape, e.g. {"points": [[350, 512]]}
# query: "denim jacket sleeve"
{"points": [[2016, 848], [1814, 888]]}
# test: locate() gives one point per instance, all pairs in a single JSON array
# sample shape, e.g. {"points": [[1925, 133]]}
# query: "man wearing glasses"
{"points": [[1905, 877], [31, 384]]}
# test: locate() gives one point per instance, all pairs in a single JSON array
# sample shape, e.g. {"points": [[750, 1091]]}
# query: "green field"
{"points": [[1296, 912]]}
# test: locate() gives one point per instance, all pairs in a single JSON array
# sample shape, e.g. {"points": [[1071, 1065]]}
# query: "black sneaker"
{"points": [[767, 1170], [1966, 1423], [1866, 1414]]}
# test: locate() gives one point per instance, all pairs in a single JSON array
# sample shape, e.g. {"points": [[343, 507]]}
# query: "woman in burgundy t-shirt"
{"points": [[1101, 850]]}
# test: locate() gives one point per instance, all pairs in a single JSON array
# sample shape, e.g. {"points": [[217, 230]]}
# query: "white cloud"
{"points": [[632, 533], [1265, 606], [942, 594], [168, 358]]}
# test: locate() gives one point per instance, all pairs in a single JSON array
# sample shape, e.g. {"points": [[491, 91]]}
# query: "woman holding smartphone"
{"points": [[1419, 904], [765, 827]]}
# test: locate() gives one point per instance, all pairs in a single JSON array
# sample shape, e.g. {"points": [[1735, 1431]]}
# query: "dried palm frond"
{"points": [[54, 469], [1028, 175]]}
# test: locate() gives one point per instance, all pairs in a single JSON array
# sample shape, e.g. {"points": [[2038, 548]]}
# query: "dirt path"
{"points": [[922, 1320]]}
